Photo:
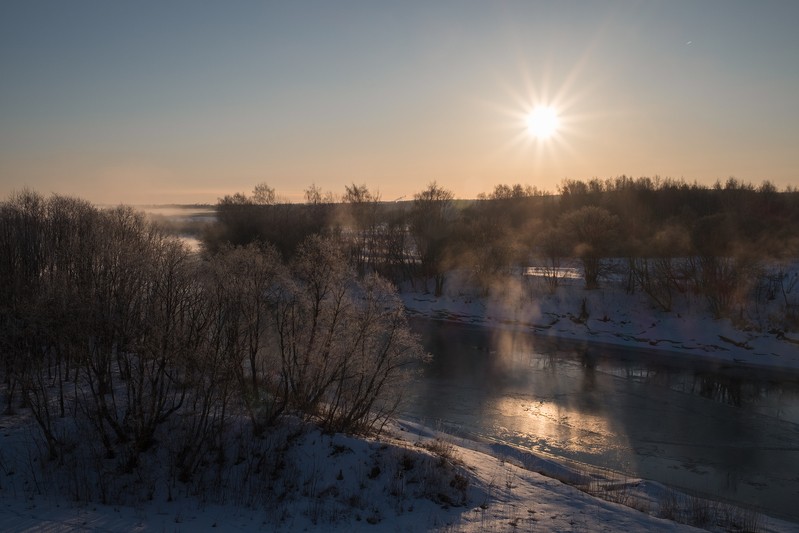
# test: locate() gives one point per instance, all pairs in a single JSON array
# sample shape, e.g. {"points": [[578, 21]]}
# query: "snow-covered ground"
{"points": [[412, 478]]}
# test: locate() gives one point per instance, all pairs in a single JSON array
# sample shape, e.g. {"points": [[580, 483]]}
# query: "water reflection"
{"points": [[589, 374], [720, 389], [705, 429]]}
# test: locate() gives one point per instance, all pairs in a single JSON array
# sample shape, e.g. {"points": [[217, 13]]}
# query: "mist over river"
{"points": [[707, 429]]}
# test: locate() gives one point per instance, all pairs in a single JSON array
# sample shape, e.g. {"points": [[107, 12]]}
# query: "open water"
{"points": [[721, 432]]}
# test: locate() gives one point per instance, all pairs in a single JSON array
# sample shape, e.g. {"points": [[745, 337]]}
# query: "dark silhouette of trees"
{"points": [[242, 221], [592, 232], [343, 342], [263, 194], [674, 235], [362, 212], [242, 283], [489, 234], [659, 266], [395, 259], [432, 222], [107, 321], [483, 243], [550, 246]]}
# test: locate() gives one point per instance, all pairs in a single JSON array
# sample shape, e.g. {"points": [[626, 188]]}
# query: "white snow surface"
{"points": [[410, 479]]}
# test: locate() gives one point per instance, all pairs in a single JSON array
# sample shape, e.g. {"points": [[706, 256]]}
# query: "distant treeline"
{"points": [[675, 236]]}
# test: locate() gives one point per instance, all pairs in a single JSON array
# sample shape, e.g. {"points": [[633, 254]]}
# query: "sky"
{"points": [[186, 101]]}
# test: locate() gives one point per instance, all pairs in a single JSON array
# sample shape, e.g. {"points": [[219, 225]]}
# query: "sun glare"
{"points": [[542, 122]]}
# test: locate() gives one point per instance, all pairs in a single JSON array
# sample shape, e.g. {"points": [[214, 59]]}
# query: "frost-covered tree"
{"points": [[242, 283], [344, 343], [263, 194]]}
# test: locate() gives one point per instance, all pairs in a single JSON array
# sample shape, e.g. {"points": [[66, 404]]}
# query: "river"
{"points": [[718, 432]]}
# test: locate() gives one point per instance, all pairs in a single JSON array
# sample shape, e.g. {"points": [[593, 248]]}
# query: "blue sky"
{"points": [[157, 102]]}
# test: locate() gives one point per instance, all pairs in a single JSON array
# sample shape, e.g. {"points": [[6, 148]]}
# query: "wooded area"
{"points": [[727, 242], [116, 337]]}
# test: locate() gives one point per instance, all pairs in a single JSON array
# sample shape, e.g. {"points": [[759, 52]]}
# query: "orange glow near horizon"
{"points": [[393, 98]]}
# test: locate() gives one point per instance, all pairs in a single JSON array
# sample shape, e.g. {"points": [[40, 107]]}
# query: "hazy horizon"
{"points": [[183, 103]]}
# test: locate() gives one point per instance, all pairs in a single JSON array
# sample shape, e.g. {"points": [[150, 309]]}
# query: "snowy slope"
{"points": [[411, 480]]}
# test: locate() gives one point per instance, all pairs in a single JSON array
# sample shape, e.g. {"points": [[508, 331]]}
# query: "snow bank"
{"points": [[410, 479], [611, 317]]}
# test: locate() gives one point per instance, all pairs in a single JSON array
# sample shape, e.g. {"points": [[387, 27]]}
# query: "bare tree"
{"points": [[56, 334], [431, 224], [723, 267], [393, 241], [314, 195], [658, 267], [343, 344], [377, 361], [591, 229], [362, 218], [263, 194], [550, 245], [309, 321], [243, 286], [21, 261]]}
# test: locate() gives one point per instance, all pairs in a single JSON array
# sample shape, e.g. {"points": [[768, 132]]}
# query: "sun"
{"points": [[542, 122]]}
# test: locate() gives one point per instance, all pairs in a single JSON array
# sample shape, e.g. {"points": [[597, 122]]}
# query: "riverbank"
{"points": [[612, 318], [411, 479]]}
